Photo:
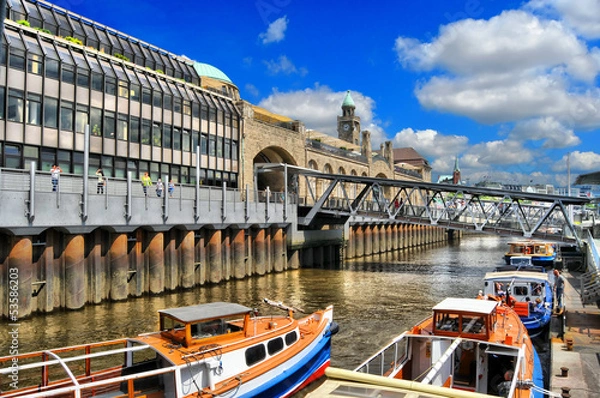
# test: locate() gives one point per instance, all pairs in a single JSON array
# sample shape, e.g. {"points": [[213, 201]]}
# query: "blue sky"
{"points": [[508, 87]]}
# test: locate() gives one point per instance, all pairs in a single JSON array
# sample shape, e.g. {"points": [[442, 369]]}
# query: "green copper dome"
{"points": [[210, 71], [348, 100]]}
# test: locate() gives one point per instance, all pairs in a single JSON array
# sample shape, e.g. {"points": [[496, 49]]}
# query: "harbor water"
{"points": [[374, 298]]}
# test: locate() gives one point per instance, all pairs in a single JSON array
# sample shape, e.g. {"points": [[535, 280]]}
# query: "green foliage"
{"points": [[44, 30], [121, 56], [24, 22], [74, 40], [160, 71]]}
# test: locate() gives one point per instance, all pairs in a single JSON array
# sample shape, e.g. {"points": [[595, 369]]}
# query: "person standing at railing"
{"points": [[171, 187], [159, 187], [100, 185], [146, 182], [55, 172]]}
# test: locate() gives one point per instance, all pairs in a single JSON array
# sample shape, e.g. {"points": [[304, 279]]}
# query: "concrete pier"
{"points": [[575, 341]]}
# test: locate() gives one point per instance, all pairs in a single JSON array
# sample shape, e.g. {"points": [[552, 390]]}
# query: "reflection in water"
{"points": [[374, 299]]}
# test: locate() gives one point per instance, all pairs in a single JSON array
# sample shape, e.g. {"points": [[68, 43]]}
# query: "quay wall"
{"points": [[62, 270]]}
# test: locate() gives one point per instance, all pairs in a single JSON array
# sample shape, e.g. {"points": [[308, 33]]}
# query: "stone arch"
{"points": [[273, 180]]}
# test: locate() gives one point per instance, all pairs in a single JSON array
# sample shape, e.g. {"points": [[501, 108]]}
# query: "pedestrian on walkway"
{"points": [[146, 182], [101, 181], [171, 187], [559, 289], [159, 187], [55, 172]]}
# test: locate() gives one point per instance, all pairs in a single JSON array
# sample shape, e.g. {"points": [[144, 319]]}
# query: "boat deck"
{"points": [[582, 327]]}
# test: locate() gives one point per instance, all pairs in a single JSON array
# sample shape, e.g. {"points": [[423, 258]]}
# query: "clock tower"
{"points": [[348, 125]]}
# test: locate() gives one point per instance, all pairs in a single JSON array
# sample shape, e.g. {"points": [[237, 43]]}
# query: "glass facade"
{"points": [[144, 106]]}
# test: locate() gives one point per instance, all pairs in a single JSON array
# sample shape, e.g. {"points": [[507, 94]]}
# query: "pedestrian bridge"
{"points": [[336, 199]]}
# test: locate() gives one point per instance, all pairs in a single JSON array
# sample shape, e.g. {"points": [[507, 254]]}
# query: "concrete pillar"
{"points": [[215, 257], [75, 272], [171, 260], [375, 238], [239, 251], [394, 237], [307, 256], [20, 270], [260, 255], [318, 257], [119, 265], [383, 245], [138, 285], [278, 252], [359, 241], [46, 296], [368, 240], [349, 241], [201, 265], [226, 249], [294, 259], [156, 262], [389, 237], [268, 251], [186, 268]]}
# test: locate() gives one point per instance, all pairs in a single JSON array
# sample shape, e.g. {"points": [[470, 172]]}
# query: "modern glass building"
{"points": [[147, 109]]}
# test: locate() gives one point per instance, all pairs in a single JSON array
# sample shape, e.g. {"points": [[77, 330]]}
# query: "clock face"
{"points": [[346, 127]]}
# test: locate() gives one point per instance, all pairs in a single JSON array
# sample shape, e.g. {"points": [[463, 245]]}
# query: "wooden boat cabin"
{"points": [[188, 325]]}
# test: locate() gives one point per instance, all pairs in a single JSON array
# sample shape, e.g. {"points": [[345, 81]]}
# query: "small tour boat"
{"points": [[467, 348], [529, 293], [541, 253], [205, 350]]}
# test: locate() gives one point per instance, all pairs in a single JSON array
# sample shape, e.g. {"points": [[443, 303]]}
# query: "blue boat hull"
{"points": [[289, 380]]}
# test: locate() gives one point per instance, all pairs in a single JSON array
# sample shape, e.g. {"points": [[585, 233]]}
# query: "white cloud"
{"points": [[510, 68], [319, 107], [548, 130], [583, 16], [431, 144], [511, 41], [275, 32], [283, 65], [252, 90], [584, 161]]}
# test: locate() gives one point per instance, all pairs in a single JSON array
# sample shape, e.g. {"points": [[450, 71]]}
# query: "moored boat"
{"points": [[541, 253], [467, 348], [529, 293], [205, 350]]}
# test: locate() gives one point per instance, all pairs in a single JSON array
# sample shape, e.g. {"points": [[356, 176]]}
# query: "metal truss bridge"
{"points": [[337, 198]]}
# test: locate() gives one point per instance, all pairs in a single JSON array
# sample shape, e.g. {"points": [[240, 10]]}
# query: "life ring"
{"points": [[527, 250]]}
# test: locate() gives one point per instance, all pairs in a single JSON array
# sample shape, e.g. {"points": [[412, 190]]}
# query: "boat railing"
{"points": [[389, 360], [77, 368]]}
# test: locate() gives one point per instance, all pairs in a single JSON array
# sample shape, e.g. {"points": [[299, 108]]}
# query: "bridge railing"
{"points": [[29, 203]]}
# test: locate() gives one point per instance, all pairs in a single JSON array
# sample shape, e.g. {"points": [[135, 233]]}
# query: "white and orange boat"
{"points": [[205, 350], [467, 348]]}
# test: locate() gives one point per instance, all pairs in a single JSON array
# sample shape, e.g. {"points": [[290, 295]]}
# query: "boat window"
{"points": [[446, 322], [275, 345], [520, 290], [291, 338], [207, 329], [474, 324], [255, 354], [171, 324], [536, 289]]}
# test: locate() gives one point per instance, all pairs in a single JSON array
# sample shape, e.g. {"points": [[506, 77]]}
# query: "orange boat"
{"points": [[467, 348], [205, 350]]}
